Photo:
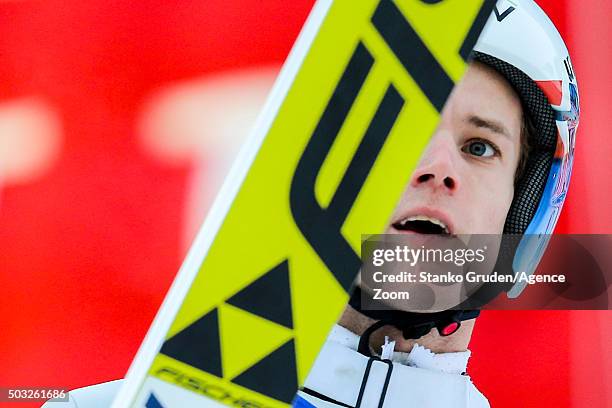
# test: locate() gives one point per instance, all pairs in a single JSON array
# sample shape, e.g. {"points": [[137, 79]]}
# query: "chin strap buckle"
{"points": [[445, 327], [449, 328], [415, 325]]}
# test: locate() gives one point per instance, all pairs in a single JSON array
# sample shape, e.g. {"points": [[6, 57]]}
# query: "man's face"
{"points": [[465, 179]]}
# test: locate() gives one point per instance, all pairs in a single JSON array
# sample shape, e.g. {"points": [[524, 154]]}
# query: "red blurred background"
{"points": [[111, 113]]}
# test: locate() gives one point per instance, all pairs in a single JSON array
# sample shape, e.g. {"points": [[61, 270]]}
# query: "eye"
{"points": [[480, 148]]}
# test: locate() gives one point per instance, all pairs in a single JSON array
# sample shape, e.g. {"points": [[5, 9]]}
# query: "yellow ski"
{"points": [[270, 270]]}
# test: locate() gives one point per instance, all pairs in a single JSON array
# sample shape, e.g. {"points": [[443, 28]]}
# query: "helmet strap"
{"points": [[412, 325]]}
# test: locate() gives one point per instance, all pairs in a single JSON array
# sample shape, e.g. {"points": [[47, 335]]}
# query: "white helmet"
{"points": [[521, 43]]}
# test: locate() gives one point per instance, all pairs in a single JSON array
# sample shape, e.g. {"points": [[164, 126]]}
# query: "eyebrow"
{"points": [[489, 124]]}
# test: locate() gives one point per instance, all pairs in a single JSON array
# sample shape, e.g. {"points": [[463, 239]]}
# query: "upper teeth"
{"points": [[425, 218]]}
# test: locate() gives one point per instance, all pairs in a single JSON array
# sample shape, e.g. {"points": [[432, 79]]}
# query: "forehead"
{"points": [[484, 92]]}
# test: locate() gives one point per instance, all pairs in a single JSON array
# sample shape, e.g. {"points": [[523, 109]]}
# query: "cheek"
{"points": [[499, 210], [491, 204]]}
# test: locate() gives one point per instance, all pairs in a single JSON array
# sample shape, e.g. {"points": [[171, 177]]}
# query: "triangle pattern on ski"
{"points": [[198, 345], [274, 376], [268, 296], [153, 402], [247, 338]]}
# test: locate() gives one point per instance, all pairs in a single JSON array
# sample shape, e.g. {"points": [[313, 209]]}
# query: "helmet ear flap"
{"points": [[529, 211], [530, 187]]}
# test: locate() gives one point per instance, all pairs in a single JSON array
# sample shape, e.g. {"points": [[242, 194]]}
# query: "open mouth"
{"points": [[422, 224]]}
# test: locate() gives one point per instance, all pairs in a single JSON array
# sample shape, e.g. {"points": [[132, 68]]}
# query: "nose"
{"points": [[438, 166]]}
